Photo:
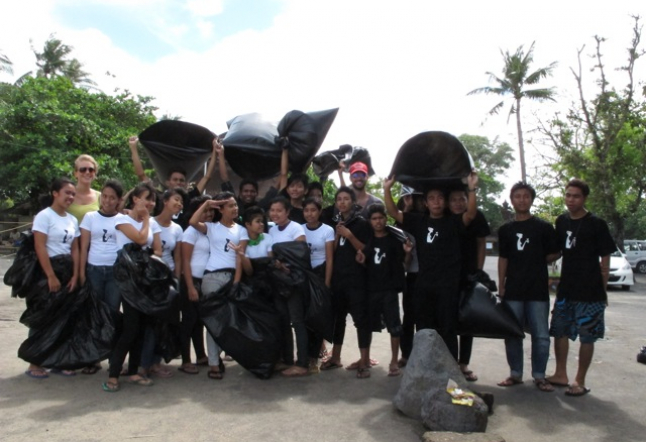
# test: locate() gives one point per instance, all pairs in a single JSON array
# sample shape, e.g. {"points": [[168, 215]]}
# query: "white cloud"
{"points": [[205, 8]]}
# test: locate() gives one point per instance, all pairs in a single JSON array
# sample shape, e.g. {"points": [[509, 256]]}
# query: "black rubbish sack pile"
{"points": [[23, 270], [246, 326], [482, 314], [69, 330], [254, 144], [432, 160], [147, 284], [174, 143], [317, 298], [327, 162]]}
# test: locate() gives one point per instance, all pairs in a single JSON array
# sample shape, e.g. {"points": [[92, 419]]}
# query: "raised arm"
{"points": [[340, 172], [391, 207], [201, 185], [284, 170], [472, 207], [197, 216], [136, 161]]}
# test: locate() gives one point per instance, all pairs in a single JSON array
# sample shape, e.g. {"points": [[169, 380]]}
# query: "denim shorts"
{"points": [[582, 319]]}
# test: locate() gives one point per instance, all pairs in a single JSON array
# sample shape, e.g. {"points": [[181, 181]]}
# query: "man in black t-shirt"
{"points": [[437, 240], [527, 244], [581, 298]]}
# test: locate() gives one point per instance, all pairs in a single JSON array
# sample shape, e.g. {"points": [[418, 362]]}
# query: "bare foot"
{"points": [[295, 370]]}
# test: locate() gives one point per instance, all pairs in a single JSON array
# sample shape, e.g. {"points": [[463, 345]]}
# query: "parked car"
{"points": [[621, 273], [636, 254]]}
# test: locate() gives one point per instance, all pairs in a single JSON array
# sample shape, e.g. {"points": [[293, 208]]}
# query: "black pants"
{"points": [[130, 341], [351, 300], [437, 308], [408, 321], [191, 327], [292, 314]]}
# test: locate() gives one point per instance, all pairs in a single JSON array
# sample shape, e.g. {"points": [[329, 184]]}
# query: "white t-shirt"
{"points": [[222, 256], [317, 240], [169, 236], [103, 238], [122, 239], [201, 250], [260, 250], [291, 231], [60, 231]]}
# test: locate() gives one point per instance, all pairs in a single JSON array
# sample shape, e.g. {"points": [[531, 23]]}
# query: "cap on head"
{"points": [[358, 167]]}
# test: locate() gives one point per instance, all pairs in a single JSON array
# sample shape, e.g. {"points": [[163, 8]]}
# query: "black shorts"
{"points": [[383, 308]]}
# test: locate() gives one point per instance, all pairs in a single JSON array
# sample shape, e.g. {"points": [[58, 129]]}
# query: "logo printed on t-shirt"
{"points": [[569, 241], [106, 237], [309, 244], [163, 244], [342, 241], [520, 244], [377, 257], [226, 245], [65, 237], [431, 236]]}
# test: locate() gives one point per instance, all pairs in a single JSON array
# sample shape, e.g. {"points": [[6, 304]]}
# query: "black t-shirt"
{"points": [[181, 218], [438, 248], [479, 228], [296, 214], [583, 241], [346, 271], [384, 263], [525, 245]]}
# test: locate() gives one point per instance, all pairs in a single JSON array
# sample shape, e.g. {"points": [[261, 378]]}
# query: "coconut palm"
{"points": [[513, 83], [53, 62], [5, 64]]}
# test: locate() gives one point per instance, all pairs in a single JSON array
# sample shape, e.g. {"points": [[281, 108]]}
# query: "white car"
{"points": [[621, 274]]}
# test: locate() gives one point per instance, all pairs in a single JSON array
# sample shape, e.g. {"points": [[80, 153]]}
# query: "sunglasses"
{"points": [[87, 169], [358, 175]]}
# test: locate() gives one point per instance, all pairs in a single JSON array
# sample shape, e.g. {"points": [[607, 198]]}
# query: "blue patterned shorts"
{"points": [[582, 319]]}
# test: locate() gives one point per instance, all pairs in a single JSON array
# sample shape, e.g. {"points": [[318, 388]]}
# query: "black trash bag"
{"points": [[432, 159], [327, 162], [398, 233], [245, 326], [641, 356], [167, 343], [147, 283], [71, 330], [254, 145], [360, 155], [317, 298], [482, 314], [25, 268], [173, 143], [483, 278]]}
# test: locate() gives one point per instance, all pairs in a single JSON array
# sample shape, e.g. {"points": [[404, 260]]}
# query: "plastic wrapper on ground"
{"points": [[483, 315], [245, 325]]}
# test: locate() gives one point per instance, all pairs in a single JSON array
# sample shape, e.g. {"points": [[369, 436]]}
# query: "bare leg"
{"points": [[394, 348], [561, 348], [586, 351]]}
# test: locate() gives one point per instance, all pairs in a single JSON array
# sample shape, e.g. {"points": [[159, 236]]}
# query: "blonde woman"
{"points": [[86, 199]]}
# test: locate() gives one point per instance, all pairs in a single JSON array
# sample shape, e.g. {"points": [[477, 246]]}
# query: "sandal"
{"points": [[141, 381], [470, 376], [37, 373], [204, 361], [363, 373], [66, 373], [161, 372], [510, 382], [92, 369], [330, 365], [111, 387], [212, 374], [577, 390], [188, 369], [394, 370], [543, 385]]}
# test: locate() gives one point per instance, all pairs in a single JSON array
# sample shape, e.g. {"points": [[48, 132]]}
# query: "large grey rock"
{"points": [[422, 392], [445, 436]]}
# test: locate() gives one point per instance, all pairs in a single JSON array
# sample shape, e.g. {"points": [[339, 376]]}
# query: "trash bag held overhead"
{"points": [[432, 159], [254, 144], [327, 162], [173, 143]]}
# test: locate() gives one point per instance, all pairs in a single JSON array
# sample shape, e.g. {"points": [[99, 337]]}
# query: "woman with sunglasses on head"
{"points": [[86, 199], [99, 251], [56, 234]]}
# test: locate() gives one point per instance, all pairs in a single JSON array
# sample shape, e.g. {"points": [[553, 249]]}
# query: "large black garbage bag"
{"points": [[173, 143], [70, 329], [483, 315], [146, 283], [359, 155], [24, 269], [254, 144], [245, 326], [317, 299], [327, 162], [432, 159]]}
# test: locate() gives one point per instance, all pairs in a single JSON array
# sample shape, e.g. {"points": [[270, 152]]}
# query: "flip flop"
{"points": [[66, 373], [363, 373], [142, 382], [188, 369], [510, 382], [576, 391], [110, 387], [329, 365], [92, 369], [394, 370], [37, 374], [216, 375], [161, 372], [544, 385], [470, 376], [557, 384]]}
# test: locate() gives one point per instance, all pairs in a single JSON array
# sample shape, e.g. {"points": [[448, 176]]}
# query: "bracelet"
{"points": [[472, 190]]}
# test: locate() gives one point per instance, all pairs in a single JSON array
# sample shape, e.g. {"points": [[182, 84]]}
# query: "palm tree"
{"points": [[53, 62], [5, 64], [515, 78]]}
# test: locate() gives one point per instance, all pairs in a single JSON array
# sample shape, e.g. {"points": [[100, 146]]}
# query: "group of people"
{"points": [[208, 242]]}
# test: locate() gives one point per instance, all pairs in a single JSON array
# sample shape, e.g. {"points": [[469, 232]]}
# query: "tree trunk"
{"points": [[521, 146]]}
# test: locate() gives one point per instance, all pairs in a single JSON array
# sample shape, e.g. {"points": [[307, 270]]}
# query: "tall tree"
{"points": [[603, 139], [492, 159], [513, 83], [5, 64], [53, 62]]}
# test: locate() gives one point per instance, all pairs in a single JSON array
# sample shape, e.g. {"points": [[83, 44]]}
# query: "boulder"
{"points": [[447, 436], [422, 392]]}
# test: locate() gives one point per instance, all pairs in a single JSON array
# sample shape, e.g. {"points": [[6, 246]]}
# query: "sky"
{"points": [[393, 68]]}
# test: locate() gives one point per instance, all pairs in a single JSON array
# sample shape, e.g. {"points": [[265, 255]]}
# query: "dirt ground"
{"points": [[330, 406]]}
